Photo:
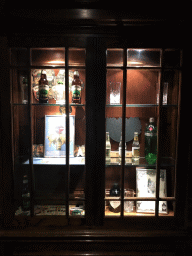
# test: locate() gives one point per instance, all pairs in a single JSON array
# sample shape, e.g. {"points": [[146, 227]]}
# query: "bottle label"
{"points": [[135, 151], [76, 92], [115, 204], [59, 144], [150, 134], [43, 91]]}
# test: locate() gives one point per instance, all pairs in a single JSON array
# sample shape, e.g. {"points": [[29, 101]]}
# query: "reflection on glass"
{"points": [[48, 56], [143, 58], [114, 57], [77, 56]]}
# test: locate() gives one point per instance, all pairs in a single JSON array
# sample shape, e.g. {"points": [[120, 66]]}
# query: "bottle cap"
{"points": [[76, 73], [136, 133], [151, 120], [43, 72]]}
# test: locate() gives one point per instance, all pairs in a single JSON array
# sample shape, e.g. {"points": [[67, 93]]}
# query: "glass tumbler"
{"points": [[115, 88], [129, 205]]}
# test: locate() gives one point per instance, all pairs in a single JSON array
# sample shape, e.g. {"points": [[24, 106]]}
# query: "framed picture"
{"points": [[146, 187], [55, 136]]}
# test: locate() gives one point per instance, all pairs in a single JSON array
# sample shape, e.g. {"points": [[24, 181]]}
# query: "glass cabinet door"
{"points": [[48, 130], [142, 117]]}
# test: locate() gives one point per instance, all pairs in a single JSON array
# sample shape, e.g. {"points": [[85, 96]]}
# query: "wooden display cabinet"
{"points": [[68, 196]]}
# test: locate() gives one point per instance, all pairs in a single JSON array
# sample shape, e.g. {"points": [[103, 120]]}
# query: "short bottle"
{"points": [[59, 143], [76, 88], [108, 149], [43, 88], [25, 194], [115, 206], [151, 142], [135, 148]]}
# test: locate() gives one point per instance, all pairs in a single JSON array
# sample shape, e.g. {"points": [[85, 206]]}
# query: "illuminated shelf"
{"points": [[57, 161], [165, 162], [140, 105], [48, 104]]}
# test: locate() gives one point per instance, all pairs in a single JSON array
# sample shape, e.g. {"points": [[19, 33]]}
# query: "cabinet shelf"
{"points": [[166, 162], [141, 105], [57, 161], [49, 104]]}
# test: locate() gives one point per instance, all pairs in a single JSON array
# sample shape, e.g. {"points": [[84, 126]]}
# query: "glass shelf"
{"points": [[57, 161], [48, 104], [141, 105], [166, 162]]}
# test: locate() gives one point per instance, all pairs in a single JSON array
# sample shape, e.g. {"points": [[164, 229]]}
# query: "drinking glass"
{"points": [[129, 205], [115, 88]]}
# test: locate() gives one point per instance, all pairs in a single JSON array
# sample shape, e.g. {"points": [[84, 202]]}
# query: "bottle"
{"points": [[151, 142], [108, 149], [59, 143], [43, 88], [25, 194], [121, 147], [76, 88], [115, 206], [135, 148]]}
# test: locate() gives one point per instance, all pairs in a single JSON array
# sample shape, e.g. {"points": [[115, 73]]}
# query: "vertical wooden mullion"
{"points": [[67, 130], [178, 130], [123, 130], [31, 172], [159, 134]]}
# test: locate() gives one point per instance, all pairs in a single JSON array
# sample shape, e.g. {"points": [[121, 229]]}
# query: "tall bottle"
{"points": [[76, 88], [151, 142], [135, 148], [43, 88], [115, 206], [25, 194], [108, 149], [121, 147]]}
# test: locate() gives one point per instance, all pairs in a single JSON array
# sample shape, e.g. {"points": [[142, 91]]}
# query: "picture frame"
{"points": [[146, 187], [55, 136]]}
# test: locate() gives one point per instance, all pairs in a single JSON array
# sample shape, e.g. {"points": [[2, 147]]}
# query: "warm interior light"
{"points": [[134, 63], [56, 62]]}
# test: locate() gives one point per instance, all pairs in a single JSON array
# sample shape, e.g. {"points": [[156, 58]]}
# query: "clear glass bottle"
{"points": [[76, 88], [135, 148], [43, 88], [25, 194], [108, 149], [151, 142], [121, 147]]}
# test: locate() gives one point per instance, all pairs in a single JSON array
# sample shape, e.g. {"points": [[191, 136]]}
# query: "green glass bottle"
{"points": [[151, 142]]}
